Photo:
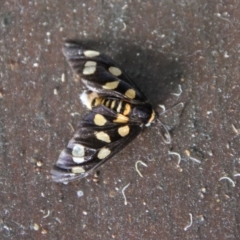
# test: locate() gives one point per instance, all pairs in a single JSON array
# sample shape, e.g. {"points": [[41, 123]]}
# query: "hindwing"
{"points": [[92, 145]]}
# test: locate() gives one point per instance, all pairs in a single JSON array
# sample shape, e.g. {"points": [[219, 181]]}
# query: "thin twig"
{"points": [[237, 131], [187, 152], [180, 91], [63, 77], [190, 224], [136, 167], [229, 179], [162, 107], [195, 160], [125, 199], [71, 127], [176, 154], [48, 213], [124, 26]]}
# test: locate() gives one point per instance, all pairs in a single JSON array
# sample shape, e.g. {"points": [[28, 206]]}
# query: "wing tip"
{"points": [[64, 176], [72, 49]]}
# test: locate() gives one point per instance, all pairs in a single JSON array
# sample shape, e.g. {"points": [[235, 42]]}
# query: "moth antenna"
{"points": [[164, 133], [181, 104]]}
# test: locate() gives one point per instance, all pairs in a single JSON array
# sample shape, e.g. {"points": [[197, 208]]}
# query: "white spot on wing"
{"points": [[78, 170], [89, 67], [91, 53], [78, 153]]}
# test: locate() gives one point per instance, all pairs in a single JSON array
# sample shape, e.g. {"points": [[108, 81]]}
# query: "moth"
{"points": [[118, 111]]}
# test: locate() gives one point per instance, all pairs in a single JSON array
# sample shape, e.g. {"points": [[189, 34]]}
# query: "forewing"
{"points": [[92, 145], [100, 73]]}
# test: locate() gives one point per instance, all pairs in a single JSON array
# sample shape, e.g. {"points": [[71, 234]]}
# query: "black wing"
{"points": [[97, 139], [100, 73]]}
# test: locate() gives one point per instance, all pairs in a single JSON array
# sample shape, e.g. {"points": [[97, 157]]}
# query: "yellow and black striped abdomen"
{"points": [[116, 105], [141, 113]]}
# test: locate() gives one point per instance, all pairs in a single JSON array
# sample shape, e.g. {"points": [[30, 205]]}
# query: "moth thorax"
{"points": [[143, 113]]}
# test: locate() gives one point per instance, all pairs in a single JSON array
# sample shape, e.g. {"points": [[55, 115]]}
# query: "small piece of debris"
{"points": [[35, 227], [63, 77], [125, 199], [47, 215], [80, 193], [124, 27], [39, 163], [229, 179], [96, 177], [136, 167], [44, 231], [72, 128], [176, 154], [190, 224], [237, 131], [187, 152], [55, 91], [162, 107], [179, 91], [200, 218]]}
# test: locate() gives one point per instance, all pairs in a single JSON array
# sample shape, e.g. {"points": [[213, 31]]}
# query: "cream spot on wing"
{"points": [[103, 136], [127, 109], [115, 71], [130, 93], [123, 131], [78, 170], [99, 120], [89, 67], [90, 64], [104, 152], [78, 153], [91, 53], [111, 85]]}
